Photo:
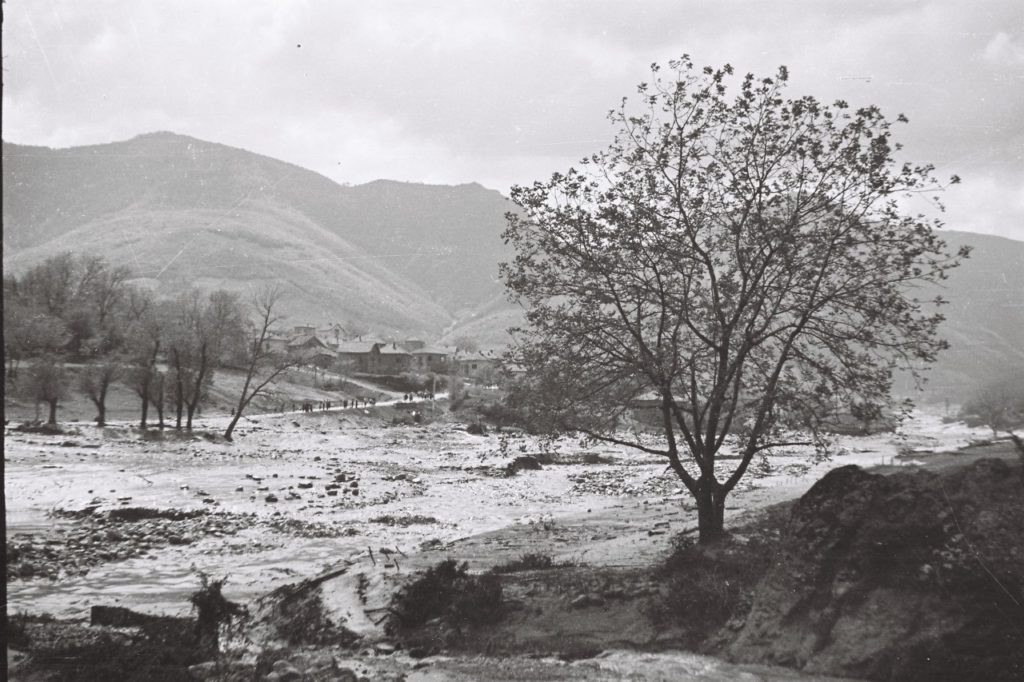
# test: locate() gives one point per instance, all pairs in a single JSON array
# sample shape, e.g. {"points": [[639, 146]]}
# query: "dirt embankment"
{"points": [[912, 576]]}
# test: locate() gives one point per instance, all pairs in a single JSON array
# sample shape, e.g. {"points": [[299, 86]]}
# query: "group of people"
{"points": [[408, 397], [324, 405]]}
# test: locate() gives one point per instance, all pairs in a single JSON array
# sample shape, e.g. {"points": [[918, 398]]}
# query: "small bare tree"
{"points": [[263, 364]]}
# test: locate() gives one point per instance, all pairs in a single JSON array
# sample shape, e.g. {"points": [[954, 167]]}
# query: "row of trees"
{"points": [[82, 309]]}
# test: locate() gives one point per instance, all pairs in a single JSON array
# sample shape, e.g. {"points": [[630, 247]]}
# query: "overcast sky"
{"points": [[505, 92]]}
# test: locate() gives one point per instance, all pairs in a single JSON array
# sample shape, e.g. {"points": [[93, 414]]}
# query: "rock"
{"points": [[846, 594], [523, 463], [385, 648], [286, 671], [203, 671], [585, 600], [271, 498]]}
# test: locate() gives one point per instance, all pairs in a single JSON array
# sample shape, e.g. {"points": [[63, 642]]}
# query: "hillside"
{"points": [[401, 257], [984, 319], [182, 211]]}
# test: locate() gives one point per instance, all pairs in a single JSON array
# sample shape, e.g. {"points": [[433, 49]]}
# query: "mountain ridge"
{"points": [[401, 257], [195, 187]]}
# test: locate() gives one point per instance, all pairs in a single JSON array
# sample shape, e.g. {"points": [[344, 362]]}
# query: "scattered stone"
{"points": [[585, 600], [270, 498], [203, 671], [286, 672]]}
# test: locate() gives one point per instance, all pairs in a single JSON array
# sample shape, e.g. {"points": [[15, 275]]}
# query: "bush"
{"points": [[477, 429], [446, 591], [527, 562], [709, 586], [213, 610], [502, 415], [16, 629]]}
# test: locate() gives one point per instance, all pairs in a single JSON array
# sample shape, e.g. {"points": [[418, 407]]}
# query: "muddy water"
{"points": [[436, 472], [669, 666]]}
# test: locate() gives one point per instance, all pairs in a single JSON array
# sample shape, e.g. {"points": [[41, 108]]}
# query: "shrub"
{"points": [[446, 591], [527, 562], [212, 610], [709, 586]]}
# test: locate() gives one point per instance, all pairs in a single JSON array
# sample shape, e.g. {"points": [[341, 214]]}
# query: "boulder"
{"points": [[523, 463], [913, 576]]}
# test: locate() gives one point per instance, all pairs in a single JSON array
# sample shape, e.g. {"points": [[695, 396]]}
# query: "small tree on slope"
{"points": [[743, 261]]}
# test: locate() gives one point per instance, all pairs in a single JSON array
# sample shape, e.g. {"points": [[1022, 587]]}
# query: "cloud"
{"points": [[500, 92], [1004, 50]]}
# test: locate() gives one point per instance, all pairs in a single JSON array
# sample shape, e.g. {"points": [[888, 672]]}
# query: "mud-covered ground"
{"points": [[114, 517]]}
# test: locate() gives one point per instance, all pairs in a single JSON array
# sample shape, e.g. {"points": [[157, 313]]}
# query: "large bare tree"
{"points": [[741, 260]]}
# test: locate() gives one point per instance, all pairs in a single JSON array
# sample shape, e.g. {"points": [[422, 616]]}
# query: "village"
{"points": [[328, 348]]}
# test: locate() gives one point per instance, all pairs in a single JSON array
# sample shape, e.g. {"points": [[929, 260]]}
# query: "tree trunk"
{"points": [[159, 404], [145, 409], [178, 406], [53, 412], [231, 426], [710, 512], [101, 407]]}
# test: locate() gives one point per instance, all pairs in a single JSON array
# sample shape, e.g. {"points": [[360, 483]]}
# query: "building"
{"points": [[389, 358], [471, 364], [354, 356], [430, 359], [310, 348]]}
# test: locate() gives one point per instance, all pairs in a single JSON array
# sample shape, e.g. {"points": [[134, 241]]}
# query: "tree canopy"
{"points": [[744, 262]]}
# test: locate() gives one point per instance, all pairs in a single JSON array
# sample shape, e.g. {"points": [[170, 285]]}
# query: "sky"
{"points": [[506, 92]]}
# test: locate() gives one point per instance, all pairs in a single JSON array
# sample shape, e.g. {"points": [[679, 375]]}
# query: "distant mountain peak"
{"points": [[406, 254]]}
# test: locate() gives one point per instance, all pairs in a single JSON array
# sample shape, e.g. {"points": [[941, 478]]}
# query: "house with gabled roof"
{"points": [[355, 355], [389, 358], [431, 359], [469, 364]]}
